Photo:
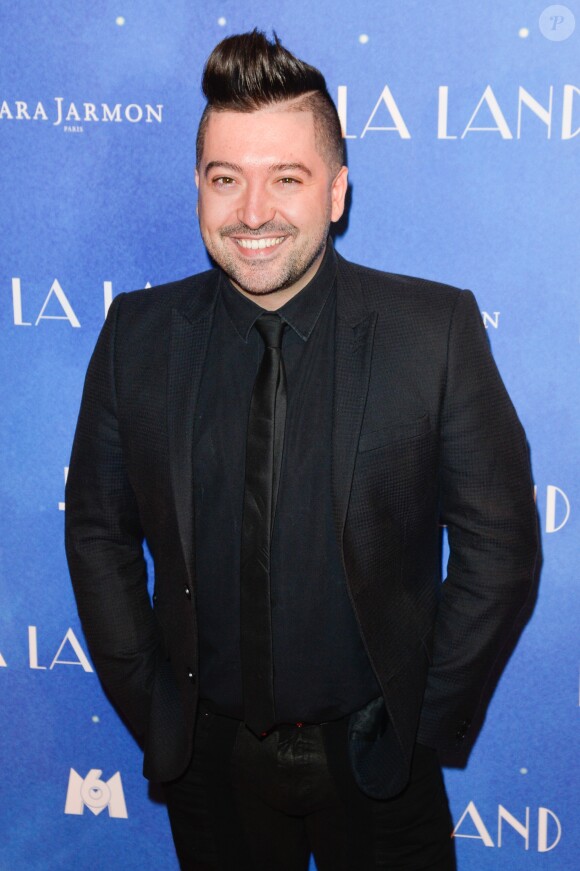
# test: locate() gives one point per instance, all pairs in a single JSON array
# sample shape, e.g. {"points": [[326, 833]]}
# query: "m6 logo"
{"points": [[96, 794]]}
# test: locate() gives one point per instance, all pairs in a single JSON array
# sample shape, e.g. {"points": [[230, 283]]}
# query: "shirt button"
{"points": [[187, 592], [191, 675]]}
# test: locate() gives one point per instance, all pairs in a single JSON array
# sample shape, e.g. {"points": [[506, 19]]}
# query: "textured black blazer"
{"points": [[423, 434]]}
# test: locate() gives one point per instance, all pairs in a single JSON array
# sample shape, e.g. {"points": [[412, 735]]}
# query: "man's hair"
{"points": [[247, 72]]}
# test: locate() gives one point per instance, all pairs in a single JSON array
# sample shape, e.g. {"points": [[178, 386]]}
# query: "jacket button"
{"points": [[187, 592], [462, 730], [191, 675]]}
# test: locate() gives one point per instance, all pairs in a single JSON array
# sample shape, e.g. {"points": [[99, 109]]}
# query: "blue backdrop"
{"points": [[463, 136]]}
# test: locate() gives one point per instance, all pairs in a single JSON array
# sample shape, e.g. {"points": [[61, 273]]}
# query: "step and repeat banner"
{"points": [[463, 134]]}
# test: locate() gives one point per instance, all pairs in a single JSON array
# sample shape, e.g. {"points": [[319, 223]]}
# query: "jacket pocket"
{"points": [[394, 433]]}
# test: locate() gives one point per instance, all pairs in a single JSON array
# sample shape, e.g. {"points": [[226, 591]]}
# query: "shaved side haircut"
{"points": [[247, 72]]}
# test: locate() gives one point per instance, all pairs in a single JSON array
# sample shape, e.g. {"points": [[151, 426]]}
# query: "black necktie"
{"points": [[263, 457]]}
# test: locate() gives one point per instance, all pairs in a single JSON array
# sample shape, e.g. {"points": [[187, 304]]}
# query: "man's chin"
{"points": [[260, 285], [266, 278]]}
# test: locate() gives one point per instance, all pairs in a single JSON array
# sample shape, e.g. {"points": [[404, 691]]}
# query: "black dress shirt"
{"points": [[321, 669]]}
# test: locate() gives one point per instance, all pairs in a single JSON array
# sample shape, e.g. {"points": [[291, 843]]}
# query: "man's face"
{"points": [[266, 200]]}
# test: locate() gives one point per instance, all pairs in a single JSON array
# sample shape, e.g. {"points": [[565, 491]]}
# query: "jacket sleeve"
{"points": [[488, 506], [104, 543]]}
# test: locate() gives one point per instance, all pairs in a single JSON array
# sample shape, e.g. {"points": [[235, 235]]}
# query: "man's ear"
{"points": [[338, 193]]}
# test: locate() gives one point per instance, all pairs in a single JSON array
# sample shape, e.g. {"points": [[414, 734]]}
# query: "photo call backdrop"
{"points": [[462, 124]]}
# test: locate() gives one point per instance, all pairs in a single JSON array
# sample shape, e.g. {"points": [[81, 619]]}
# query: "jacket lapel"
{"points": [[355, 328], [190, 331]]}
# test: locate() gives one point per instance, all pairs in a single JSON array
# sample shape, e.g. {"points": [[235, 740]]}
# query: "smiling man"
{"points": [[288, 431], [266, 221]]}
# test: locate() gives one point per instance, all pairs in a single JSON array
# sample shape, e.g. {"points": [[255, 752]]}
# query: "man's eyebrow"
{"points": [[290, 167], [275, 167], [223, 164]]}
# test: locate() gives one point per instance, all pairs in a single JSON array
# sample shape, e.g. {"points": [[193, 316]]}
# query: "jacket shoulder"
{"points": [[174, 294], [390, 288]]}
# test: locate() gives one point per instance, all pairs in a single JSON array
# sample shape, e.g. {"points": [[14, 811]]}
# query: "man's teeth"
{"points": [[254, 244]]}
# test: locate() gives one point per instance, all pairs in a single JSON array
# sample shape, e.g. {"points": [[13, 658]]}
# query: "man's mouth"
{"points": [[255, 244]]}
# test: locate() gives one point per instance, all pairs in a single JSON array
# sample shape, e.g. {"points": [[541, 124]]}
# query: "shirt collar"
{"points": [[301, 312]]}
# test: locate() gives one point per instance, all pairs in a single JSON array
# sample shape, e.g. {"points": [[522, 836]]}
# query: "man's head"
{"points": [[246, 72], [270, 171]]}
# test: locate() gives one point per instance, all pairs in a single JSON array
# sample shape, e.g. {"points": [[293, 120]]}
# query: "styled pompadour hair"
{"points": [[247, 72]]}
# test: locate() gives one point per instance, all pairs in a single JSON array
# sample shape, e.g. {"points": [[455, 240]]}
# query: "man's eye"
{"points": [[223, 181], [288, 181]]}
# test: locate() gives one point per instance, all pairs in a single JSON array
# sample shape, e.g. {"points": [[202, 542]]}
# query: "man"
{"points": [[288, 431]]}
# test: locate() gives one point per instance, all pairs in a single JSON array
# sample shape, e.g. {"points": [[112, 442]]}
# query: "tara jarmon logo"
{"points": [[61, 112]]}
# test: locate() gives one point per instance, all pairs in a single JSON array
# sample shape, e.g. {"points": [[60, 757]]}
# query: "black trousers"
{"points": [[249, 804]]}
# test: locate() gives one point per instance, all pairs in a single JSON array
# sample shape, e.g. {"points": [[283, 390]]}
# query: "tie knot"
{"points": [[270, 328]]}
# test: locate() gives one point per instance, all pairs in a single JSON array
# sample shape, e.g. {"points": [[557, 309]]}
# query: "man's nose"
{"points": [[256, 207]]}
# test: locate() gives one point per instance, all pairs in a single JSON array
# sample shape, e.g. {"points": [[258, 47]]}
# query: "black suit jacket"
{"points": [[423, 434]]}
